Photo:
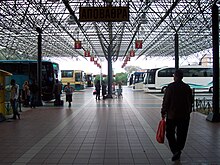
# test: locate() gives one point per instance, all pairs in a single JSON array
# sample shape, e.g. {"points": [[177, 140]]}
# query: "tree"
{"points": [[97, 78], [121, 77], [130, 69]]}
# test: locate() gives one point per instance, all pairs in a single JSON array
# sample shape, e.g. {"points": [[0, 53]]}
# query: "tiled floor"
{"points": [[112, 131]]}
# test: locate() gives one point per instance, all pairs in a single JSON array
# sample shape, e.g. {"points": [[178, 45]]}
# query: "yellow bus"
{"points": [[76, 78]]}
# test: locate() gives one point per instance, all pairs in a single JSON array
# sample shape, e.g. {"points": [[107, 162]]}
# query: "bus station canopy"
{"points": [[153, 22]]}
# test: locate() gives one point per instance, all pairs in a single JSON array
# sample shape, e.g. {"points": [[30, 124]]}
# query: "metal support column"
{"points": [[110, 62], [176, 51], [39, 66], [215, 116]]}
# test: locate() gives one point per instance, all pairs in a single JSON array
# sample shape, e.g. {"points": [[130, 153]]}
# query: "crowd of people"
{"points": [[26, 95], [116, 90]]}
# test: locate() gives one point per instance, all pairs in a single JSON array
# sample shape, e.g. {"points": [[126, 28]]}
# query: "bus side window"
{"points": [[209, 72], [194, 75]]}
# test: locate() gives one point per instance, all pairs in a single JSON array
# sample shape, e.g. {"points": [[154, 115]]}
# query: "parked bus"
{"points": [[76, 78], [89, 80], [80, 80], [135, 80], [197, 77], [26, 70]]}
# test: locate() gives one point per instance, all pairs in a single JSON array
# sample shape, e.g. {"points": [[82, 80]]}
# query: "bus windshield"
{"points": [[67, 73]]}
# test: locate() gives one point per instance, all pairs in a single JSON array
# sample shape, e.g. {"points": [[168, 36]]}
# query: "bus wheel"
{"points": [[163, 89], [211, 90]]}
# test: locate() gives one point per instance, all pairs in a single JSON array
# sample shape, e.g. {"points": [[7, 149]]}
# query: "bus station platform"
{"points": [[111, 131]]}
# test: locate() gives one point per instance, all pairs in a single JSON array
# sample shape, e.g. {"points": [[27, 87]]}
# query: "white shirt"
{"points": [[14, 91]]}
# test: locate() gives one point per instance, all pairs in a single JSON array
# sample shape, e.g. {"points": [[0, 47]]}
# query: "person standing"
{"points": [[104, 90], [34, 91], [26, 92], [57, 92], [176, 107], [13, 98], [97, 88], [69, 92], [120, 88]]}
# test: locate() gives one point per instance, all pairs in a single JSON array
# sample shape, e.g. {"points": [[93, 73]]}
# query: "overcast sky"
{"points": [[87, 66]]}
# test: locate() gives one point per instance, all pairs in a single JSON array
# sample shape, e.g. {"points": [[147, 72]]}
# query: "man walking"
{"points": [[176, 107]]}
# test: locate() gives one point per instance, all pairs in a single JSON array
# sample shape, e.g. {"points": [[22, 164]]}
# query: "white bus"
{"points": [[197, 77], [135, 80]]}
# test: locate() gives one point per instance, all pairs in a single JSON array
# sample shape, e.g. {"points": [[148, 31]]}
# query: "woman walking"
{"points": [[69, 90]]}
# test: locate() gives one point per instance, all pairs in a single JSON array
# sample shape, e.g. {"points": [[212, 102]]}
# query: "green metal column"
{"points": [[176, 51], [110, 62], [215, 116]]}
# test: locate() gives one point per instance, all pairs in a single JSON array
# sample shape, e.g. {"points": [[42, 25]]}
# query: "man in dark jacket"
{"points": [[34, 91], [104, 90], [177, 106], [97, 88]]}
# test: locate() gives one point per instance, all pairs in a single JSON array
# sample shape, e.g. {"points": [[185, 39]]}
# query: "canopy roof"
{"points": [[155, 22]]}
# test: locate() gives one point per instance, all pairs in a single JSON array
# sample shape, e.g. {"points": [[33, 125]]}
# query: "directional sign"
{"points": [[104, 14], [77, 44], [138, 44]]}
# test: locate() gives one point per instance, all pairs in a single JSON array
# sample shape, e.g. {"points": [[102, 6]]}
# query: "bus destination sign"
{"points": [[103, 14]]}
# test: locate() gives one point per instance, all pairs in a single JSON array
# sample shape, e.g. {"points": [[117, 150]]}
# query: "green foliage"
{"points": [[121, 77], [97, 78], [130, 69]]}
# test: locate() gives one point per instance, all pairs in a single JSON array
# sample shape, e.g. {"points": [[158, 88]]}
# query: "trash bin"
{"points": [[3, 74]]}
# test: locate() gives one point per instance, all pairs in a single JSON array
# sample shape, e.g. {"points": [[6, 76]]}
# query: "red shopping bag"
{"points": [[94, 92], [160, 136]]}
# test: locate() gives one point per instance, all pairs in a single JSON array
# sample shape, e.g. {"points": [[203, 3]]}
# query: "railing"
{"points": [[203, 105]]}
